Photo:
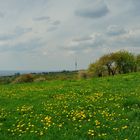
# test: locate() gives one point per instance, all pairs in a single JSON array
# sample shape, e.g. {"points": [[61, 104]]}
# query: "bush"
{"points": [[96, 70], [120, 62], [82, 74], [25, 78]]}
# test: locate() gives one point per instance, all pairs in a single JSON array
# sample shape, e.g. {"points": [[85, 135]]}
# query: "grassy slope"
{"points": [[102, 108]]}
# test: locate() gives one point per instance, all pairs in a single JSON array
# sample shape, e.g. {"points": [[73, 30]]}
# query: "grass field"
{"points": [[99, 109]]}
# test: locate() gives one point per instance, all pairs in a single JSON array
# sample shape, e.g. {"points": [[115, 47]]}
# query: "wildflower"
{"points": [[91, 132], [124, 127], [97, 122], [41, 133], [60, 125], [115, 129], [104, 134]]}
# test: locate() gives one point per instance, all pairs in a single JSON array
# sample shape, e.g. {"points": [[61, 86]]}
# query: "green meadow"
{"points": [[106, 108]]}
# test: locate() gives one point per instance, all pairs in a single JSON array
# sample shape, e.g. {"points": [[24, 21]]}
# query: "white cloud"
{"points": [[113, 38], [56, 31]]}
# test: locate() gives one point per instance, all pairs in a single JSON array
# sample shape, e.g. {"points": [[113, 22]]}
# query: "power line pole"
{"points": [[76, 65]]}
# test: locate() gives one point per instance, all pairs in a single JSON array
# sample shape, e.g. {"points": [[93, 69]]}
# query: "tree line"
{"points": [[120, 62]]}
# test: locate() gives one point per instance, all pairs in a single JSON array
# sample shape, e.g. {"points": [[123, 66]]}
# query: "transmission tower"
{"points": [[76, 65]]}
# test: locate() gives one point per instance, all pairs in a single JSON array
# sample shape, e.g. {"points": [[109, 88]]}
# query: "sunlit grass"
{"points": [[102, 108]]}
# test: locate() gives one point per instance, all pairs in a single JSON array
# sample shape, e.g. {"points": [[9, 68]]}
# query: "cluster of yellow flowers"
{"points": [[47, 121], [78, 115], [84, 112]]}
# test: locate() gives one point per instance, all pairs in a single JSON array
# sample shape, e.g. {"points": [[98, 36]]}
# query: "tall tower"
{"points": [[76, 65]]}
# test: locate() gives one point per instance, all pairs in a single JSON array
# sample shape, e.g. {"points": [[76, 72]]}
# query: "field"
{"points": [[100, 109]]}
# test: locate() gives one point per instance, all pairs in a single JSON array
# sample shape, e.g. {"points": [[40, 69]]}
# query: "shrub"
{"points": [[115, 63], [82, 74], [96, 69], [25, 78]]}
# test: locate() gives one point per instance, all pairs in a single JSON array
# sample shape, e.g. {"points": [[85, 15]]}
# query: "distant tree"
{"points": [[17, 74], [108, 62], [96, 69], [125, 61], [113, 63], [138, 62]]}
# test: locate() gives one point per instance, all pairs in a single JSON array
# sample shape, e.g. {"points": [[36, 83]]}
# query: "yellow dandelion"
{"points": [[125, 127]]}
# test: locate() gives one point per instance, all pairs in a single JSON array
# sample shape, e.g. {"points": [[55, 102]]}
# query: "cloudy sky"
{"points": [[52, 34]]}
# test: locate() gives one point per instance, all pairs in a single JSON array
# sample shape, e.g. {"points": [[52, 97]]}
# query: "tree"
{"points": [[113, 63], [108, 62], [96, 69], [125, 61], [138, 62]]}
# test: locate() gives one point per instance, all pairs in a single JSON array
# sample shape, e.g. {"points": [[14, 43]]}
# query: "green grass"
{"points": [[99, 109]]}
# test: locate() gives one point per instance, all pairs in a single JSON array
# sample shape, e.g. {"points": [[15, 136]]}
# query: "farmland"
{"points": [[100, 108]]}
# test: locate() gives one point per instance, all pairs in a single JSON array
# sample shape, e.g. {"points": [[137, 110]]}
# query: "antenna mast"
{"points": [[76, 65]]}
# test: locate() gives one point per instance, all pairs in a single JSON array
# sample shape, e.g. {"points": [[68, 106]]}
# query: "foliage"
{"points": [[119, 62], [108, 62], [25, 78], [138, 62], [100, 108], [125, 61], [82, 74], [96, 69], [39, 77]]}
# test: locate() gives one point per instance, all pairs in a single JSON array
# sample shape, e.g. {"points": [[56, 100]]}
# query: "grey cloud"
{"points": [[136, 7], [42, 18], [132, 6], [16, 33], [115, 38], [83, 38], [51, 29], [85, 44], [72, 24], [53, 26], [28, 46], [115, 30], [130, 42], [93, 12], [2, 15], [57, 22], [21, 30], [123, 41], [136, 3], [5, 37]]}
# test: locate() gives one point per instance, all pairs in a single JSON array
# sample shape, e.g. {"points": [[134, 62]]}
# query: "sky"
{"points": [[50, 35]]}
